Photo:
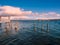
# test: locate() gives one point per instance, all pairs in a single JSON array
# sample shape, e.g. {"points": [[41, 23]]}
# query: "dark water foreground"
{"points": [[27, 35], [28, 38]]}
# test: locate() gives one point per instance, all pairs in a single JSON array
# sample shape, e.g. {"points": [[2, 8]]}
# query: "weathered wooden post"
{"points": [[34, 26], [48, 26], [16, 26], [42, 26]]}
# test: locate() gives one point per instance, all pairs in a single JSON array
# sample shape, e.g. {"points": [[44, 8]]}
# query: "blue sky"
{"points": [[35, 5]]}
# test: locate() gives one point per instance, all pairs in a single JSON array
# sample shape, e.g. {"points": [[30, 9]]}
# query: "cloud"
{"points": [[21, 18], [49, 15], [10, 10], [52, 13], [18, 13]]}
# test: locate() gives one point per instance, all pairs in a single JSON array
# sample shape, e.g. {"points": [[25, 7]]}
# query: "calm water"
{"points": [[32, 33]]}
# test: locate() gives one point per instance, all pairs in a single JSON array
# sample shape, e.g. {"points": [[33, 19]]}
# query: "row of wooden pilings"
{"points": [[16, 26], [42, 26]]}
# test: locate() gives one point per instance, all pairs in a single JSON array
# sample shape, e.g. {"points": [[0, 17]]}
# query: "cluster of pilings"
{"points": [[42, 26], [7, 25]]}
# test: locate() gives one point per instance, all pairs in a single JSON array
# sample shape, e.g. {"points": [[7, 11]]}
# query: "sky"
{"points": [[31, 9]]}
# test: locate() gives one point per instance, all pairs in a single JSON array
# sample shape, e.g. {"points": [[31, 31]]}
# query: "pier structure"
{"points": [[3, 20], [6, 25]]}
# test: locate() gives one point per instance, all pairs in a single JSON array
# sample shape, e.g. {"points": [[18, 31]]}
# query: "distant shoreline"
{"points": [[48, 19]]}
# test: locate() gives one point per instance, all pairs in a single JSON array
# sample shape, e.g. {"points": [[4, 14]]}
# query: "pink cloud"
{"points": [[22, 14], [10, 10], [52, 13], [49, 15], [22, 18]]}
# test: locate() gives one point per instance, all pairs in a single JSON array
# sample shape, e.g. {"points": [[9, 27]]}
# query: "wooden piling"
{"points": [[48, 26]]}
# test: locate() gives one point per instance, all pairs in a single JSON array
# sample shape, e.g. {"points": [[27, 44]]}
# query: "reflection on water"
{"points": [[30, 32]]}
